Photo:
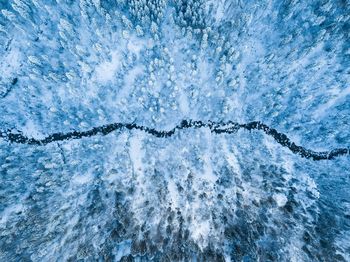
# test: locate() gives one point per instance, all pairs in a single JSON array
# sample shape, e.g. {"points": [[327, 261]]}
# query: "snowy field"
{"points": [[70, 66]]}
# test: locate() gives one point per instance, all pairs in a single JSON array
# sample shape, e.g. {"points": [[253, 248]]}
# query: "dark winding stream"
{"points": [[215, 127]]}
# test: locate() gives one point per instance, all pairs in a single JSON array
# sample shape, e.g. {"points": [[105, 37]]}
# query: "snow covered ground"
{"points": [[195, 196]]}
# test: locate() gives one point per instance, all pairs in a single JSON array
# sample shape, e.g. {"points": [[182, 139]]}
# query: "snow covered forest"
{"points": [[174, 130]]}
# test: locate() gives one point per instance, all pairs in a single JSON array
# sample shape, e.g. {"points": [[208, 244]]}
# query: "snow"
{"points": [[183, 103], [122, 249], [194, 196], [30, 129], [10, 63], [208, 165], [334, 101], [15, 208], [201, 231], [280, 199], [106, 70], [82, 179], [136, 154]]}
